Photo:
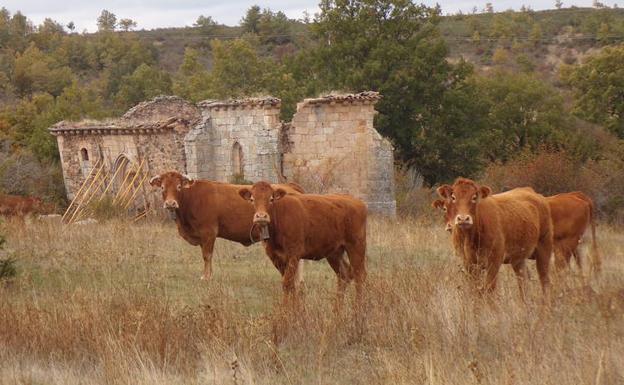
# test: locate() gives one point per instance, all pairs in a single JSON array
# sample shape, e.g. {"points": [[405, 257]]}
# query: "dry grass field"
{"points": [[117, 303]]}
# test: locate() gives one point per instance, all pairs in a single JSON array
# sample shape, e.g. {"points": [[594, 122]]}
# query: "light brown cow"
{"points": [[489, 230], [205, 210], [311, 227], [20, 206], [572, 214]]}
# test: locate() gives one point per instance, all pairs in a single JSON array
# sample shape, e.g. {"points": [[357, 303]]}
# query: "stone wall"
{"points": [[235, 140], [332, 146], [147, 131]]}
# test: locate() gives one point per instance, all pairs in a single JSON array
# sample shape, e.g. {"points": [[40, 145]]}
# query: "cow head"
{"points": [[448, 210], [171, 183], [262, 196], [461, 201]]}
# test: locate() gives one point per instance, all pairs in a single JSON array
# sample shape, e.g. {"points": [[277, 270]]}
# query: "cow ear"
{"points": [[155, 181], [437, 204], [245, 193], [444, 191], [279, 194], [485, 191], [187, 181]]}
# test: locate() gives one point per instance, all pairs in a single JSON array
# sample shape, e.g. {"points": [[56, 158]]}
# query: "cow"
{"points": [[489, 230], [311, 227], [20, 206], [572, 214], [205, 210]]}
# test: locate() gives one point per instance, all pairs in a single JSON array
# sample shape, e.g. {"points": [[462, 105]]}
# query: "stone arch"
{"points": [[121, 167], [238, 165], [85, 163]]}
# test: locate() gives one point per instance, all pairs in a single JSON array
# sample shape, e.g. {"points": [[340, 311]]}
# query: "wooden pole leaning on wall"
{"points": [[121, 165], [124, 191], [85, 206], [123, 186], [136, 190], [85, 193], [80, 190]]}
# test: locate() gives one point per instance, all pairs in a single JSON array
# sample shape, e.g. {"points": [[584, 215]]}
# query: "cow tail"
{"points": [[594, 254]]}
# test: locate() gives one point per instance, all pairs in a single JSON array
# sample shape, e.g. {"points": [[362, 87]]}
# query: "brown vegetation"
{"points": [[119, 303]]}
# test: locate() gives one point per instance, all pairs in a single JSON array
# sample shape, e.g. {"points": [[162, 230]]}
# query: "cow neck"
{"points": [[183, 207], [274, 224]]}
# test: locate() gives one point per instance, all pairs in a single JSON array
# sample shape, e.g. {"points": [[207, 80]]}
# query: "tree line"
{"points": [[445, 117]]}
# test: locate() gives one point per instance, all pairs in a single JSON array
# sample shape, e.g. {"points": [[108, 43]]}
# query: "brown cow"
{"points": [[311, 227], [205, 210], [20, 206], [572, 213], [489, 230]]}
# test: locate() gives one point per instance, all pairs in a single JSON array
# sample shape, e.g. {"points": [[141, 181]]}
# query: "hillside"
{"points": [[542, 39]]}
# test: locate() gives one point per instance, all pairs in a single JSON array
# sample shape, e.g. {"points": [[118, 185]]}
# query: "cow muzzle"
{"points": [[261, 218], [463, 221], [171, 204]]}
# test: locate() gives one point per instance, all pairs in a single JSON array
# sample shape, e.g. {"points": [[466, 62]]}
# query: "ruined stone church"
{"points": [[329, 146]]}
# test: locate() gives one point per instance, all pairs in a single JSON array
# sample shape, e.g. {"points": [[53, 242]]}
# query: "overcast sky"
{"points": [[163, 13]]}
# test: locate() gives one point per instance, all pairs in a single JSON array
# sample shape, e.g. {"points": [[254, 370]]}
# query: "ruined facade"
{"points": [[330, 145]]}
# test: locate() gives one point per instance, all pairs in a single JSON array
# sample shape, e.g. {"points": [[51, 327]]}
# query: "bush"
{"points": [[412, 199], [104, 210], [553, 172]]}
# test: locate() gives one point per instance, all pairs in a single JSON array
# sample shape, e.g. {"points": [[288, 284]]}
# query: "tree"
{"points": [[250, 23], [489, 8], [536, 34], [144, 83], [427, 105], [192, 80], [206, 23], [35, 71], [598, 87], [71, 26], [107, 21], [236, 70], [524, 113], [127, 24], [559, 4]]}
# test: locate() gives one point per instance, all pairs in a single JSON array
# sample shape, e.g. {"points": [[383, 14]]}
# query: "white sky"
{"points": [[151, 14]]}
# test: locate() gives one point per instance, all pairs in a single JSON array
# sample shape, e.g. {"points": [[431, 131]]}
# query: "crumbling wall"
{"points": [[153, 131], [235, 140], [333, 147]]}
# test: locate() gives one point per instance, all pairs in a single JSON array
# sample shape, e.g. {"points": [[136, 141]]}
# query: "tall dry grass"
{"points": [[122, 304]]}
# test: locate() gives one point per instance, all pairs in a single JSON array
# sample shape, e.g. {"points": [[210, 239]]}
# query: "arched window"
{"points": [[84, 154], [237, 161]]}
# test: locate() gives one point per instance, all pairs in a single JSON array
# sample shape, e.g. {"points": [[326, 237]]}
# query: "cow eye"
{"points": [[251, 200], [474, 198], [271, 199], [444, 208], [453, 197], [179, 187]]}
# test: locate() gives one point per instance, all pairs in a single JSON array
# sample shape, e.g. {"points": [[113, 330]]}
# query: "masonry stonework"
{"points": [[330, 145]]}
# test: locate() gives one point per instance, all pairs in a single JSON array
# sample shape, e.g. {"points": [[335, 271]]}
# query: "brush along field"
{"points": [[117, 303]]}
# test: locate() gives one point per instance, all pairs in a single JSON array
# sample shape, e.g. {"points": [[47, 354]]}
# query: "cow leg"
{"points": [[207, 248], [522, 275], [344, 274], [542, 263], [289, 280], [357, 260]]}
